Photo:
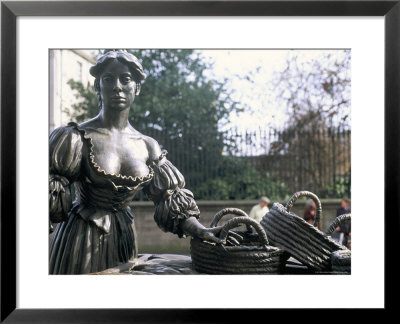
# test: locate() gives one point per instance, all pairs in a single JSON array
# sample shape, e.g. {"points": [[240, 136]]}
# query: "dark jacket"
{"points": [[345, 227]]}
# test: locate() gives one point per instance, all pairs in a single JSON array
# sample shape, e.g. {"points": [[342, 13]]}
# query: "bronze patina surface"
{"points": [[109, 161]]}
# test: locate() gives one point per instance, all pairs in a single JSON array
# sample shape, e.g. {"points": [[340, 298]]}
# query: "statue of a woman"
{"points": [[109, 162]]}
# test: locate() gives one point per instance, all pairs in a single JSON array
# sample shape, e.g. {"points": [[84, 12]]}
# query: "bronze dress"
{"points": [[95, 228]]}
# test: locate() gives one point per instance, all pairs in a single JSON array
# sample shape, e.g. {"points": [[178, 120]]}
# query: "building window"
{"points": [[79, 71]]}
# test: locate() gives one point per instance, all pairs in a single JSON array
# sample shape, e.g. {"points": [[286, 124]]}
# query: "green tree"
{"points": [[317, 97], [87, 106], [237, 179], [316, 92], [178, 106]]}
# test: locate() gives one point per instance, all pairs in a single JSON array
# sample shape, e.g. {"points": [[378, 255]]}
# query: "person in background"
{"points": [[345, 227], [258, 211], [345, 207], [310, 212]]}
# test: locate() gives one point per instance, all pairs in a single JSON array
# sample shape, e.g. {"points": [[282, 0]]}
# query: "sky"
{"points": [[249, 74], [256, 92]]}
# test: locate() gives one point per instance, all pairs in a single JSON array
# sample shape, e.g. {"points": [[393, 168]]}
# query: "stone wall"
{"points": [[153, 240]]}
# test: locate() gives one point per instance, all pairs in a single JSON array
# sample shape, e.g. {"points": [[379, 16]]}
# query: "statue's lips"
{"points": [[118, 99]]}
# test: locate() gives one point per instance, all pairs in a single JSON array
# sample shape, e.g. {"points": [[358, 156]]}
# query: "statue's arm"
{"points": [[176, 210], [65, 161]]}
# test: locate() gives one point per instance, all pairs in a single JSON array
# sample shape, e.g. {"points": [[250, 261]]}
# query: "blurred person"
{"points": [[345, 207], [310, 212], [345, 228], [258, 211]]}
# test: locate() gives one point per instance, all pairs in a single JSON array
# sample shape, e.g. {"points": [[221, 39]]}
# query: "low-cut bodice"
{"points": [[104, 194], [96, 230], [107, 190]]}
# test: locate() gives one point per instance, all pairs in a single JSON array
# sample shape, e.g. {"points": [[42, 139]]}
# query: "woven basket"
{"points": [[300, 239], [341, 259], [337, 222], [252, 256]]}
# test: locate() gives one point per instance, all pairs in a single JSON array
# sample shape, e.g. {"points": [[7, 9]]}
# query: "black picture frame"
{"points": [[10, 10]]}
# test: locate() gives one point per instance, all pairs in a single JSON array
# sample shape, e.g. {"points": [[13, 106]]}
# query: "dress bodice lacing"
{"points": [[108, 191], [101, 195]]}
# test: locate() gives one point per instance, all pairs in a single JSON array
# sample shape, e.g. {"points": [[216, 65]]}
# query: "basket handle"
{"points": [[308, 194], [226, 211], [337, 221], [234, 222]]}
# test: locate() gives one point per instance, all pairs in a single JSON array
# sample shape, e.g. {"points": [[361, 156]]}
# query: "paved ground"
{"points": [[154, 264], [174, 264]]}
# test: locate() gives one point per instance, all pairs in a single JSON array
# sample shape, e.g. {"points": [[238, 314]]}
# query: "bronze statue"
{"points": [[109, 162]]}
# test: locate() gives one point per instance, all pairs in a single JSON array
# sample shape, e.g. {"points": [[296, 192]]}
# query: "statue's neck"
{"points": [[114, 119]]}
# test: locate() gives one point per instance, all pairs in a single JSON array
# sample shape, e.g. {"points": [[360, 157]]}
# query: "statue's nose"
{"points": [[117, 86]]}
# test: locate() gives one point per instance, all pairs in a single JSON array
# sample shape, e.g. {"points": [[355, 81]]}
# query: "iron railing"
{"points": [[249, 164]]}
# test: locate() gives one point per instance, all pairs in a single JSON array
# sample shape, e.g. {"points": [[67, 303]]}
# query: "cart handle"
{"points": [[226, 211], [337, 221], [308, 194], [234, 222]]}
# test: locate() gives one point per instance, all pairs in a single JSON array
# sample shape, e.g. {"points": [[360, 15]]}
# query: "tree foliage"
{"points": [[178, 106], [316, 94], [238, 179], [316, 91], [87, 106], [183, 110]]}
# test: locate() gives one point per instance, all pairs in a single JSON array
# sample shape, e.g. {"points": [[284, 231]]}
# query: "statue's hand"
{"points": [[192, 227], [234, 238], [51, 227], [210, 234]]}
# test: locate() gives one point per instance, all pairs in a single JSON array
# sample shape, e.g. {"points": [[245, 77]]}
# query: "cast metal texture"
{"points": [[253, 254], [301, 240]]}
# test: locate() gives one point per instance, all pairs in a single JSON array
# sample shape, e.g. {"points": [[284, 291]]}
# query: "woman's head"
{"points": [[345, 203], [123, 57], [310, 204]]}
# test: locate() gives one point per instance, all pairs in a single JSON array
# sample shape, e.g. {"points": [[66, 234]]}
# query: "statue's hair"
{"points": [[124, 57]]}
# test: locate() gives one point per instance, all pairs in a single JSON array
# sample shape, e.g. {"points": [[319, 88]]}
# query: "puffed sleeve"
{"points": [[173, 203], [65, 162]]}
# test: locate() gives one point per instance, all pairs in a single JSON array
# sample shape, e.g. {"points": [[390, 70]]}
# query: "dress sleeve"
{"points": [[65, 162], [173, 203]]}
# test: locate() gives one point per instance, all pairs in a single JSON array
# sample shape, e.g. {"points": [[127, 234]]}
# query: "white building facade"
{"points": [[64, 65]]}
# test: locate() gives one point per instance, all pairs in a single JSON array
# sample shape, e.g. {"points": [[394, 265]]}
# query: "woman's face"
{"points": [[117, 87]]}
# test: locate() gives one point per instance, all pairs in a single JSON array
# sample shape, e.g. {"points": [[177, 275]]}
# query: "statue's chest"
{"points": [[121, 154]]}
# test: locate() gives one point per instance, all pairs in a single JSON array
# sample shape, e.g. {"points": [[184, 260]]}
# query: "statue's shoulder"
{"points": [[69, 131], [153, 147], [91, 124], [65, 139], [92, 127]]}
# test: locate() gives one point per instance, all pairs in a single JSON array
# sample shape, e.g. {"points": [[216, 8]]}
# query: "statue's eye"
{"points": [[108, 78], [126, 79]]}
